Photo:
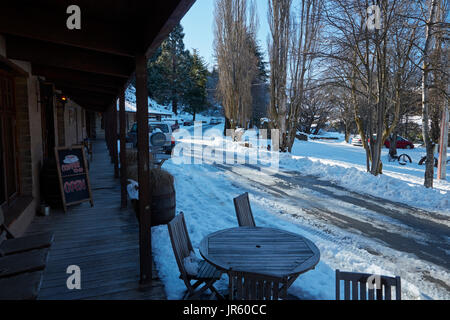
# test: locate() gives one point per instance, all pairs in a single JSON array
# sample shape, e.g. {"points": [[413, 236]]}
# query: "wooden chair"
{"points": [[252, 286], [24, 286], [19, 263], [13, 245], [182, 247], [370, 286], [244, 211], [21, 274]]}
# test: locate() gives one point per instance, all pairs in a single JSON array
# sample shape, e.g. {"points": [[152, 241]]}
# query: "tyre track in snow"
{"points": [[408, 233], [321, 204]]}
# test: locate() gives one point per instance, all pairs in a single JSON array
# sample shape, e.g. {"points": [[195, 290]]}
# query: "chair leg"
{"points": [[214, 290], [193, 294], [198, 293], [191, 288]]}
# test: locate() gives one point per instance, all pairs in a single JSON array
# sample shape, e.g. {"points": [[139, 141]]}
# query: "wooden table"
{"points": [[266, 251]]}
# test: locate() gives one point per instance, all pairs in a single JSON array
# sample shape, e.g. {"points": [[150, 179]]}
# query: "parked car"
{"points": [[356, 141], [402, 143], [174, 125], [215, 121], [188, 123], [154, 127]]}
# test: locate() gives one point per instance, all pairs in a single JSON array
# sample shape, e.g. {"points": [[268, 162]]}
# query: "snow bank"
{"points": [[383, 186], [205, 193]]}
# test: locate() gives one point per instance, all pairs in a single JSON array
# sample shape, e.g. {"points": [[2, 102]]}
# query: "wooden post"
{"points": [[123, 151], [106, 126], [110, 146], [114, 140], [145, 248], [107, 131]]}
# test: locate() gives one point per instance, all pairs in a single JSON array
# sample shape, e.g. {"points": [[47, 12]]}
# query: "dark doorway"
{"points": [[47, 120], [8, 158]]}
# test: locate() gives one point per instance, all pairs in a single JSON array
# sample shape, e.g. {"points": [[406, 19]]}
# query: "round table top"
{"points": [[260, 250]]}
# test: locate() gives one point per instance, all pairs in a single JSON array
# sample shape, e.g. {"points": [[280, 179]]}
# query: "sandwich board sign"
{"points": [[73, 175]]}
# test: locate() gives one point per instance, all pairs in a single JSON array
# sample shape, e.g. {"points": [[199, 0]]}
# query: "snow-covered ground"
{"points": [[205, 193], [345, 164], [156, 108]]}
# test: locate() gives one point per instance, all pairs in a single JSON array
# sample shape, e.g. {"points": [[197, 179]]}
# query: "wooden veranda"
{"points": [[102, 240], [93, 66]]}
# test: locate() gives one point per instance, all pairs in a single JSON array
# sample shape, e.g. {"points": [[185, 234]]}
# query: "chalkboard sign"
{"points": [[73, 176]]}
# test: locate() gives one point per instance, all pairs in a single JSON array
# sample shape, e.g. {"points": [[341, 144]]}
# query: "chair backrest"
{"points": [[366, 286], [5, 233], [252, 286], [181, 243], [244, 211]]}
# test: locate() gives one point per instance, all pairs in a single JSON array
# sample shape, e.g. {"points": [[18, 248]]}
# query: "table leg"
{"points": [[284, 288]]}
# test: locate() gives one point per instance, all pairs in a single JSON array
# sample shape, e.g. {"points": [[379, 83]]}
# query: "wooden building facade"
{"points": [[43, 60]]}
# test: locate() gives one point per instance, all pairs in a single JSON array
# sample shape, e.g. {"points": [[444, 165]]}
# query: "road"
{"points": [[337, 213]]}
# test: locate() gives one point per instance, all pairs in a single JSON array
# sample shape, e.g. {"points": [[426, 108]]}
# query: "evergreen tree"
{"points": [[196, 96], [168, 70], [260, 87], [211, 88], [155, 84], [263, 75]]}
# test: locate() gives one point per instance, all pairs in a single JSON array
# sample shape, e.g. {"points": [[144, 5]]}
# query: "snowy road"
{"points": [[404, 229], [353, 231]]}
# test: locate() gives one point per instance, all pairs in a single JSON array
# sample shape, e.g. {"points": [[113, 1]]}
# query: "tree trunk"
{"points": [[429, 170], [347, 133], [175, 105], [393, 145], [227, 126]]}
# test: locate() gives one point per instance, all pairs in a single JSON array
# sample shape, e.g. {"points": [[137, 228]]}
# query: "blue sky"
{"points": [[198, 26]]}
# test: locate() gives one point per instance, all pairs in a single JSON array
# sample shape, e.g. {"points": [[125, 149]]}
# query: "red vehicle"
{"points": [[402, 143]]}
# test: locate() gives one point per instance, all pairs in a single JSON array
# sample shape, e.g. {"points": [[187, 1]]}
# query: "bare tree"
{"points": [[316, 109], [294, 30], [376, 62], [305, 37], [279, 45], [340, 100], [235, 28]]}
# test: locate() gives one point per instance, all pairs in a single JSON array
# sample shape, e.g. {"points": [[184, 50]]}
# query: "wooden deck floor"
{"points": [[102, 241]]}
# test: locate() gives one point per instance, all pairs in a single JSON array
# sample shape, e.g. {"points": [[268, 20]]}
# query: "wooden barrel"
{"points": [[49, 184], [163, 205]]}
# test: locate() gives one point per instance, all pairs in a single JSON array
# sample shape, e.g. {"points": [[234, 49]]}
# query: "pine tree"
{"points": [[195, 97], [155, 84], [260, 87], [168, 70]]}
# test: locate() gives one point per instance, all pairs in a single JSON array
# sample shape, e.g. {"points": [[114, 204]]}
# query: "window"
{"points": [[163, 127], [8, 163]]}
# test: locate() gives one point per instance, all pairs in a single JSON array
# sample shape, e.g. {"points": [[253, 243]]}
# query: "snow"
{"points": [[345, 165], [133, 190], [153, 107], [191, 264], [205, 196], [157, 109], [205, 193]]}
